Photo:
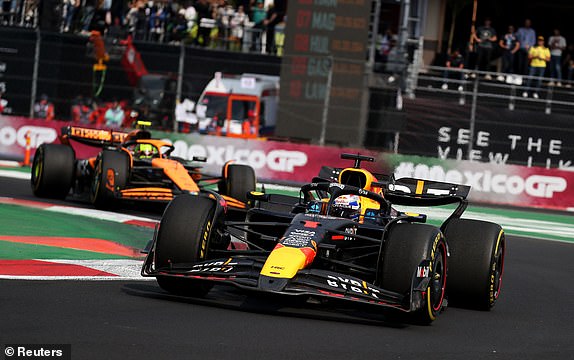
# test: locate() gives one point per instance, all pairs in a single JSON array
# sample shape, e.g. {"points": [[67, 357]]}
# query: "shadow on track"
{"points": [[232, 299]]}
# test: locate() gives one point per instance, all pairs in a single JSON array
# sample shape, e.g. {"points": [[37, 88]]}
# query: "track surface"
{"points": [[125, 320]]}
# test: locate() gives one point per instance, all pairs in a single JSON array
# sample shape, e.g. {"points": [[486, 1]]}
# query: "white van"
{"points": [[239, 105]]}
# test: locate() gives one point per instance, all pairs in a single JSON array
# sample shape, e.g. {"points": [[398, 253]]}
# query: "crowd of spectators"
{"points": [[231, 24], [515, 54], [85, 111], [216, 23]]}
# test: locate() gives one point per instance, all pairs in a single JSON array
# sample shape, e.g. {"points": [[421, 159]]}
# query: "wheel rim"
{"points": [[96, 182], [37, 168], [436, 288], [497, 269]]}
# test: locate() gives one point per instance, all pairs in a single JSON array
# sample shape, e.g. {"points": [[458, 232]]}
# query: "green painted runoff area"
{"points": [[16, 251], [16, 220], [24, 221]]}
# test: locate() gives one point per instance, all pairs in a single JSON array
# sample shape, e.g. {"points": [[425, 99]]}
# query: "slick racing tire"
{"points": [[476, 265], [406, 247], [184, 237], [53, 171], [238, 180], [110, 174]]}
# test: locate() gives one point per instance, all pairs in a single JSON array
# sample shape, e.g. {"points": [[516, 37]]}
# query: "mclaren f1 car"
{"points": [[343, 240], [130, 166]]}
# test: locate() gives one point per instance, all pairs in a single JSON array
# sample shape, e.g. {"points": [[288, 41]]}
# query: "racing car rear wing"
{"points": [[411, 191], [407, 191], [92, 137]]}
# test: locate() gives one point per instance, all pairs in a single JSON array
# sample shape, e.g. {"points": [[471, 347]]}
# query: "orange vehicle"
{"points": [[243, 106], [131, 166]]}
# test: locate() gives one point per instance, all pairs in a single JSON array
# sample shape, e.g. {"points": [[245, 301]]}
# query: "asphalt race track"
{"points": [[136, 320]]}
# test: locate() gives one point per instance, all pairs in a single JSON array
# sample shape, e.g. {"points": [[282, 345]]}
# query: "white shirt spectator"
{"points": [[238, 22], [190, 16]]}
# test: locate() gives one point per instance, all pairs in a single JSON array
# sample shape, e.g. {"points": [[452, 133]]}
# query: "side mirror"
{"points": [[413, 217], [257, 196]]}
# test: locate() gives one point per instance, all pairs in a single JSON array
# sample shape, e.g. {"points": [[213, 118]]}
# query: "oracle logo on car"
{"points": [[276, 160], [38, 135], [539, 186]]}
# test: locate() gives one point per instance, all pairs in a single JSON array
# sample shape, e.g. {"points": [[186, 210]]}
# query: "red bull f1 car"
{"points": [[341, 239], [130, 166]]}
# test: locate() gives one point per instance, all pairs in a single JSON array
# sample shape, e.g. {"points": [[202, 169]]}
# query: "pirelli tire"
{"points": [[238, 180], [111, 174], [477, 250], [184, 237], [407, 245], [53, 171]]}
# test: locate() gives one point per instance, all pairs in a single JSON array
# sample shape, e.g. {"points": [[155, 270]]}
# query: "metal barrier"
{"points": [[511, 90], [489, 117]]}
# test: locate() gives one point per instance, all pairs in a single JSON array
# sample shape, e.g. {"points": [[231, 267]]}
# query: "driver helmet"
{"points": [[144, 151], [347, 206]]}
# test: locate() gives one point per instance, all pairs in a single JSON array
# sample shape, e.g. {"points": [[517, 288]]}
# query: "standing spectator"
{"points": [[557, 44], [82, 111], [455, 61], [569, 63], [190, 16], [238, 22], [157, 22], [539, 55], [485, 37], [509, 45], [44, 109], [258, 17], [275, 15], [114, 115], [72, 9], [177, 28], [203, 12], [88, 14], [138, 20], [526, 36]]}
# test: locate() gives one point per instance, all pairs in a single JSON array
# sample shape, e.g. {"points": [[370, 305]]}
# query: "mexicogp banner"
{"points": [[491, 183], [496, 184]]}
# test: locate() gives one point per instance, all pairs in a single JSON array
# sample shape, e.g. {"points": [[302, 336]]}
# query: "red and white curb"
{"points": [[85, 270], [79, 270]]}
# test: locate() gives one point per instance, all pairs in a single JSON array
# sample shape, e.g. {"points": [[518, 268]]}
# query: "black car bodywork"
{"points": [[304, 247]]}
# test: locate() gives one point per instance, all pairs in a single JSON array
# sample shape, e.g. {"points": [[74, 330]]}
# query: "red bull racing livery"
{"points": [[342, 239]]}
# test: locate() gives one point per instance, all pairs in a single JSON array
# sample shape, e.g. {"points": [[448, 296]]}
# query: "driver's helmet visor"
{"points": [[347, 206], [144, 150]]}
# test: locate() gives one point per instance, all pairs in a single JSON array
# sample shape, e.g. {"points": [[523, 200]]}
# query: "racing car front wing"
{"points": [[244, 272]]}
